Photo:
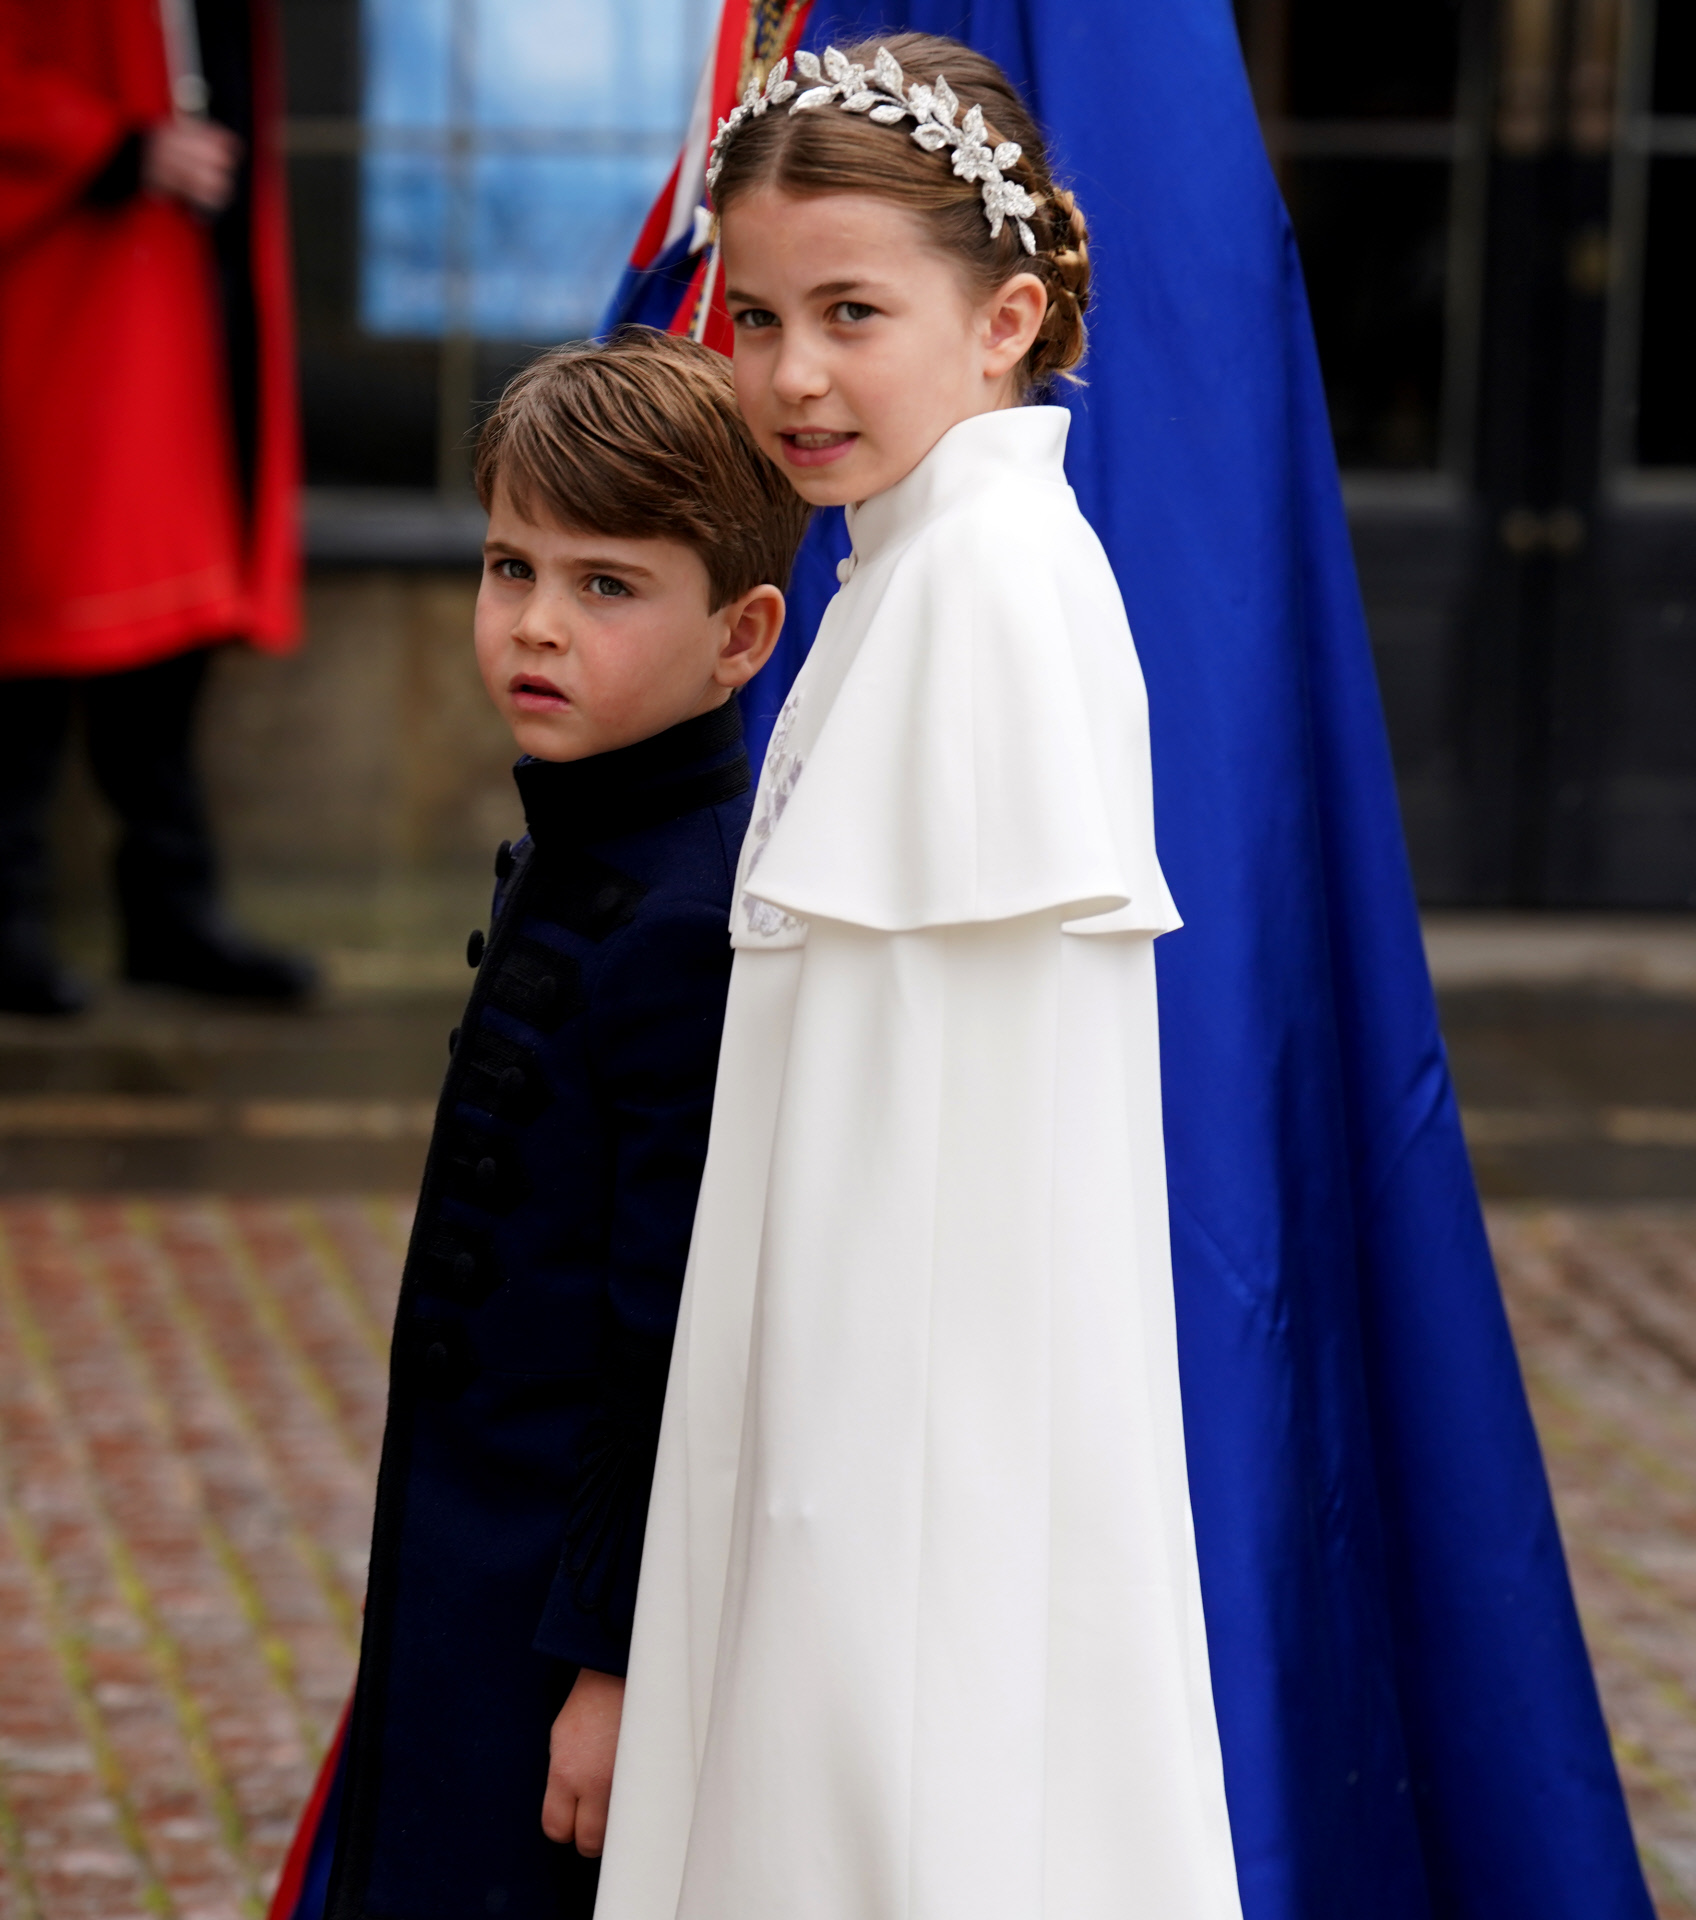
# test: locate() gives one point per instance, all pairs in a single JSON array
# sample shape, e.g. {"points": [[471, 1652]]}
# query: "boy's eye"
{"points": [[605, 586], [853, 311], [510, 569], [753, 319]]}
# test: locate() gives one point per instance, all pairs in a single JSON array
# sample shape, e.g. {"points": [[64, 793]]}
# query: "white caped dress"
{"points": [[919, 1633]]}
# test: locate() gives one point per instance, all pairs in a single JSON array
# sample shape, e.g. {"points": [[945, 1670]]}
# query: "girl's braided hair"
{"points": [[824, 150]]}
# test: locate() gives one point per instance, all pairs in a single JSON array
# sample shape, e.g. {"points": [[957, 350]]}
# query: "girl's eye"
{"points": [[754, 319], [604, 586], [853, 311]]}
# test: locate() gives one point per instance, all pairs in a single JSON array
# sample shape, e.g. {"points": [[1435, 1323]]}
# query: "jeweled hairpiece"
{"points": [[885, 96]]}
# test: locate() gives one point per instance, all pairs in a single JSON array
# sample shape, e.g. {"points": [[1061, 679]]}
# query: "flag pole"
{"points": [[709, 283]]}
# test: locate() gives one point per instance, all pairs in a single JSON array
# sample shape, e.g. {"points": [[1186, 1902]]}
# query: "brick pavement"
{"points": [[1603, 1303], [191, 1398]]}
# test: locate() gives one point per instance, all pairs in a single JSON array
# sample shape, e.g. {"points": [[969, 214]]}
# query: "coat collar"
{"points": [[1011, 447], [699, 763]]}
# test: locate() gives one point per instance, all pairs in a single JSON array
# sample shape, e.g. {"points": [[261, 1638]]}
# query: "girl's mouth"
{"points": [[817, 448], [537, 696]]}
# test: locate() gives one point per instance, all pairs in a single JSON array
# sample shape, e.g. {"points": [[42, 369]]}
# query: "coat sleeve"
{"points": [[656, 1018], [56, 135]]}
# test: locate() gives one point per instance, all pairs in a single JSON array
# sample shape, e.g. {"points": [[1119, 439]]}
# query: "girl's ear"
{"points": [[751, 627], [1011, 321]]}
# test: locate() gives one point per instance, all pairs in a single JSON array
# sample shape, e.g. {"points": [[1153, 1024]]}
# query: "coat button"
{"points": [[503, 859], [464, 1267], [512, 1083], [436, 1361], [474, 948], [488, 1172], [453, 1042]]}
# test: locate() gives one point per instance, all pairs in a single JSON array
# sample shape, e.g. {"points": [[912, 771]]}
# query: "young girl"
{"points": [[920, 1631]]}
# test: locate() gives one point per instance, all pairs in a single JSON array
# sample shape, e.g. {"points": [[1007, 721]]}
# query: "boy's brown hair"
{"points": [[639, 437]]}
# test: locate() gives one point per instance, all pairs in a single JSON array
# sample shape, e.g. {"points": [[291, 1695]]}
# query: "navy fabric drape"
{"points": [[1409, 1721]]}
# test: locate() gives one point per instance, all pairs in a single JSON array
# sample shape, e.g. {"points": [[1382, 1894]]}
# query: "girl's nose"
{"points": [[800, 372]]}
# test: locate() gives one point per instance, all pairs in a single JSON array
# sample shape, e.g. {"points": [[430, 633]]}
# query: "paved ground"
{"points": [[1577, 1084], [191, 1398], [154, 1091], [190, 1401], [191, 1388], [1603, 1304]]}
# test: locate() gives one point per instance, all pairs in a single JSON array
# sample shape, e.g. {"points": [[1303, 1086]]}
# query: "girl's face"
{"points": [[858, 344]]}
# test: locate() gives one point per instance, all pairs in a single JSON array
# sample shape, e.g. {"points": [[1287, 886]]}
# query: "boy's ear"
{"points": [[751, 627]]}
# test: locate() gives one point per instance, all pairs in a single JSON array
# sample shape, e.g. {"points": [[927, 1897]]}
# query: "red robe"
{"points": [[123, 533]]}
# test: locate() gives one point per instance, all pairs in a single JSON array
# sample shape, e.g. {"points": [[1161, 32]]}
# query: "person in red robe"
{"points": [[148, 452]]}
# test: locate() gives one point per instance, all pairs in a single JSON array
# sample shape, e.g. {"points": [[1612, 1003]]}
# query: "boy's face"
{"points": [[587, 642]]}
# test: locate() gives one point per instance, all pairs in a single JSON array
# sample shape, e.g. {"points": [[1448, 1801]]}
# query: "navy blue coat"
{"points": [[535, 1323]]}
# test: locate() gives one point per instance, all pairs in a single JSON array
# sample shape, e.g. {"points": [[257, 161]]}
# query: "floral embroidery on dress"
{"points": [[782, 771]]}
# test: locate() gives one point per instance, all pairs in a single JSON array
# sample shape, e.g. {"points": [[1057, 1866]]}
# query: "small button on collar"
{"points": [[474, 947], [845, 570]]}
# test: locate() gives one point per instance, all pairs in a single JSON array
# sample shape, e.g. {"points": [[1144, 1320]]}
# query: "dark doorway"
{"points": [[1496, 207]]}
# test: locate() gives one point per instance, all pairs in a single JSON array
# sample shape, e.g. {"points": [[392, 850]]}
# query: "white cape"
{"points": [[919, 1634]]}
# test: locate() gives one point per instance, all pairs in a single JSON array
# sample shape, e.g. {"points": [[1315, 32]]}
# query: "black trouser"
{"points": [[140, 732]]}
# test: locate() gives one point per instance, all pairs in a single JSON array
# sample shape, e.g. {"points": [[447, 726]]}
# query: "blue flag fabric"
{"points": [[811, 586], [1409, 1721], [650, 295]]}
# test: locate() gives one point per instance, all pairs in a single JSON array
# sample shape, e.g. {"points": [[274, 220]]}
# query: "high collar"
{"points": [[990, 451], [699, 763]]}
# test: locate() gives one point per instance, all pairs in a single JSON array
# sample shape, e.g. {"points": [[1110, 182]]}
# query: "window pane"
{"points": [[1362, 59], [571, 113], [321, 56], [624, 65], [1675, 57], [369, 404], [552, 237], [408, 62], [1666, 420], [404, 204], [1373, 237]]}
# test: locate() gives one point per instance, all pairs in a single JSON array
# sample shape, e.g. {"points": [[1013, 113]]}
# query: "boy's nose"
{"points": [[543, 623], [539, 633]]}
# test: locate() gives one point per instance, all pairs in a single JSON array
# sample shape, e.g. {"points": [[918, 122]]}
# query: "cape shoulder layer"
{"points": [[987, 749]]}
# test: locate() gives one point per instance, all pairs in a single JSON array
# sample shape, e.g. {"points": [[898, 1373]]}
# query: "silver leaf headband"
{"points": [[884, 95]]}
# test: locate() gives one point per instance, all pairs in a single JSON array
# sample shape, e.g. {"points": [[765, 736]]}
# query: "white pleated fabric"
{"points": [[919, 1634]]}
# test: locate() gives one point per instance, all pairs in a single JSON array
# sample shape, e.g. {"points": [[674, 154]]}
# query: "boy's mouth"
{"points": [[817, 448], [532, 694]]}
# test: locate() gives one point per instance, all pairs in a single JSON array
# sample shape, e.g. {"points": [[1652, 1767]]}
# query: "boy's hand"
{"points": [[585, 1738]]}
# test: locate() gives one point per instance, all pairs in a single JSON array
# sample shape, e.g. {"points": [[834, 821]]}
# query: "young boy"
{"points": [[632, 582]]}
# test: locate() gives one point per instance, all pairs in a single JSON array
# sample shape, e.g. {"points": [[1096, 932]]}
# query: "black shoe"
{"points": [[220, 962], [31, 979]]}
